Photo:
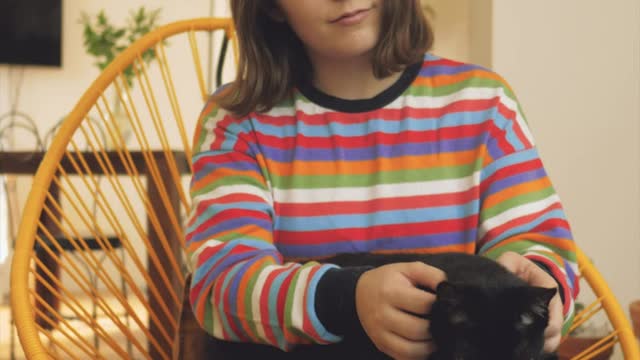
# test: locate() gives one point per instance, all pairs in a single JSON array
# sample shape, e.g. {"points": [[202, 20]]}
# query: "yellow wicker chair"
{"points": [[49, 287], [90, 193]]}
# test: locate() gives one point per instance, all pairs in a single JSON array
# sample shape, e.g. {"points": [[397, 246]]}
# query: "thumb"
{"points": [[509, 259], [512, 261], [423, 275]]}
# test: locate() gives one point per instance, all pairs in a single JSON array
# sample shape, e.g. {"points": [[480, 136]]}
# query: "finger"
{"points": [[407, 326], [526, 269], [424, 275], [413, 300], [553, 332], [400, 348], [510, 260], [555, 317], [552, 344]]}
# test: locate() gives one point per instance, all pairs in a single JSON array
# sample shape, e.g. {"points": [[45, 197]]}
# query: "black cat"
{"points": [[482, 312]]}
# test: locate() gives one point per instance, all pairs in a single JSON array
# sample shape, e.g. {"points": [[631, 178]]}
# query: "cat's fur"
{"points": [[482, 312]]}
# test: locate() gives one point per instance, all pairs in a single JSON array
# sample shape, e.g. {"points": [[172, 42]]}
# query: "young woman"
{"points": [[342, 133]]}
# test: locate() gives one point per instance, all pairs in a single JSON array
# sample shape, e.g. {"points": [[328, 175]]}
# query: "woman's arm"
{"points": [[241, 289], [520, 210]]}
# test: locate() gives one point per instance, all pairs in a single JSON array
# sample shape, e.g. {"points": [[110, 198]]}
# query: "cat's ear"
{"points": [[543, 295], [540, 299], [446, 291]]}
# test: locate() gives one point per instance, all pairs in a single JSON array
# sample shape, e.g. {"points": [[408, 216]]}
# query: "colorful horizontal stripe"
{"points": [[450, 165]]}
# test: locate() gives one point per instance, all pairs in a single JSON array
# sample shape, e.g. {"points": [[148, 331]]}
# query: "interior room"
{"points": [[97, 158]]}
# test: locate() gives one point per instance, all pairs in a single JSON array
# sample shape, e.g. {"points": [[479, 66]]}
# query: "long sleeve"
{"points": [[519, 208], [241, 289]]}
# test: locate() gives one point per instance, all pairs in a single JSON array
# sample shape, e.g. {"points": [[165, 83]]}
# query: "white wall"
{"points": [[481, 32], [451, 25], [575, 65]]}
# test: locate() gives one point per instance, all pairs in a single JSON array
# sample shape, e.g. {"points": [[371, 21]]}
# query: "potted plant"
{"points": [[583, 337], [104, 41]]}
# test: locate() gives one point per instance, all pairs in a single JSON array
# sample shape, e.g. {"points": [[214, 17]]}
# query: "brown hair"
{"points": [[273, 60]]}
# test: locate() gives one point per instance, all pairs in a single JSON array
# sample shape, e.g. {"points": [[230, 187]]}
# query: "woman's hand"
{"points": [[535, 276], [387, 298]]}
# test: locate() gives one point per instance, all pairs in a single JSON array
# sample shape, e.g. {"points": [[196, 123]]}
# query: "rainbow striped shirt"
{"points": [[442, 160]]}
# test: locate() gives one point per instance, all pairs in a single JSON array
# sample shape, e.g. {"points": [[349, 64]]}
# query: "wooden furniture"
{"points": [[27, 163]]}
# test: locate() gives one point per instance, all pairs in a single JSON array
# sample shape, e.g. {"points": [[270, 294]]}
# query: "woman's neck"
{"points": [[349, 80]]}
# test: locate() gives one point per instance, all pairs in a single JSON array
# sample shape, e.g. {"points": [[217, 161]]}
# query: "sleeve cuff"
{"points": [[335, 303]]}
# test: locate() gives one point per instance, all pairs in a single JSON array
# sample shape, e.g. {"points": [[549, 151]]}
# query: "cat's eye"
{"points": [[540, 309], [526, 319], [458, 318]]}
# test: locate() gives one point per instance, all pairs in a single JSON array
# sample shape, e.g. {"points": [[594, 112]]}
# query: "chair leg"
{"points": [[47, 296], [125, 293], [50, 264]]}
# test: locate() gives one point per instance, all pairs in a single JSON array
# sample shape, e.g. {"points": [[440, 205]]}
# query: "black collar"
{"points": [[362, 105]]}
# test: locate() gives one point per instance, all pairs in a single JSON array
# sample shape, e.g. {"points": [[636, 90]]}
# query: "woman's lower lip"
{"points": [[353, 19]]}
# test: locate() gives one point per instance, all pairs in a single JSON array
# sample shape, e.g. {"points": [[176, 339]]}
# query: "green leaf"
{"points": [[104, 40], [102, 18], [119, 33]]}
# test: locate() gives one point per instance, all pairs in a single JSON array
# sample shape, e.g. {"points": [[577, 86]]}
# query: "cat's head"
{"points": [[483, 323]]}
